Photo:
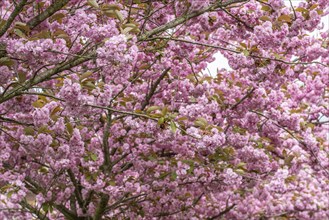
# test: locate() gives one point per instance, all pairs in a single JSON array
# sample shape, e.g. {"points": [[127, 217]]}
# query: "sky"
{"points": [[221, 61]]}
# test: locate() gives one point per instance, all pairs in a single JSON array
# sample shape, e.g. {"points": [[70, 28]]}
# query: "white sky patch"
{"points": [[221, 62]]}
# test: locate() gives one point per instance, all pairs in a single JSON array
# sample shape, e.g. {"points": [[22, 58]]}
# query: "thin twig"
{"points": [[249, 93], [293, 9], [153, 89]]}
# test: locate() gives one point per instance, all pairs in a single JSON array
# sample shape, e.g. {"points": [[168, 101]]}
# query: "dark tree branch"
{"points": [[12, 17], [184, 18], [52, 9], [77, 189], [153, 89], [249, 93], [45, 75], [9, 120], [222, 212], [106, 135], [101, 207], [33, 210]]}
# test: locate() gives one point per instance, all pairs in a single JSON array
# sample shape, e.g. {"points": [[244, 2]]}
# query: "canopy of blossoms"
{"points": [[107, 110]]}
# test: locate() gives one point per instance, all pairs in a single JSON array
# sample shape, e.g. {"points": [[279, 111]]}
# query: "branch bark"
{"points": [[12, 17], [46, 75], [33, 210], [184, 18], [106, 135], [222, 212], [153, 89], [52, 9], [101, 207], [77, 189]]}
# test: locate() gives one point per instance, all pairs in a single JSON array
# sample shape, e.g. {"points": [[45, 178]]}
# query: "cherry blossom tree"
{"points": [[107, 110]]}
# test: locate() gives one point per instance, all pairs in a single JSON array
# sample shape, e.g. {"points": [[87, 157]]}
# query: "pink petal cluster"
{"points": [[108, 110]]}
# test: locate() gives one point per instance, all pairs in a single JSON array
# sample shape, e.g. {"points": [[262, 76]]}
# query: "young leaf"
{"points": [[93, 3], [173, 126], [285, 18]]}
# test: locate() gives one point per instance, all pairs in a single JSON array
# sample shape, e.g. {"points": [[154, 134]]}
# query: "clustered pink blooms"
{"points": [[107, 110]]}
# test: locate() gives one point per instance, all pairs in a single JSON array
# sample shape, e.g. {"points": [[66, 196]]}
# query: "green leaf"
{"points": [[45, 207], [43, 170], [132, 25], [301, 9], [19, 33], [265, 18], [173, 126], [290, 179], [88, 176], [93, 3], [239, 171], [85, 75], [54, 111], [164, 111], [243, 45], [39, 103], [288, 160], [152, 108], [266, 8], [285, 18], [173, 176], [183, 118], [241, 165], [161, 121], [21, 77], [6, 187], [6, 61], [57, 17], [94, 157], [105, 7], [156, 115], [246, 52], [112, 183], [119, 15], [201, 122], [69, 128], [164, 175], [88, 84], [127, 30], [110, 13], [29, 130], [314, 6], [22, 26], [9, 194], [43, 129], [45, 34], [113, 7], [2, 22]]}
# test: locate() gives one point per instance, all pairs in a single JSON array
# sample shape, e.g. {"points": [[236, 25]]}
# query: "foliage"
{"points": [[107, 112]]}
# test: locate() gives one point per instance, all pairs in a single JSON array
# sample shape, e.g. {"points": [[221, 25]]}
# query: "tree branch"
{"points": [[101, 207], [153, 88], [249, 93], [9, 120], [52, 9], [12, 17], [184, 18], [77, 189], [33, 210], [222, 212], [106, 134], [46, 75]]}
